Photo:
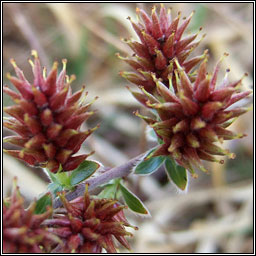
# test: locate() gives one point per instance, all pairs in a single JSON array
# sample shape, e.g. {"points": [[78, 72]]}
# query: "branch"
{"points": [[116, 172]]}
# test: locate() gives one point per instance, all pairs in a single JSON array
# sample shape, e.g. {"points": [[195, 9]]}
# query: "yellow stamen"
{"points": [[8, 76], [64, 62], [13, 62], [83, 98], [34, 54], [231, 155], [55, 65], [31, 63], [44, 72], [72, 78], [153, 10]]}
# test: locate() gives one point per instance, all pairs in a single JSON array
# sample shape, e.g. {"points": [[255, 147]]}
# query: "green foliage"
{"points": [[68, 180], [176, 173], [42, 203], [83, 172], [147, 167], [54, 188], [132, 201], [110, 190]]}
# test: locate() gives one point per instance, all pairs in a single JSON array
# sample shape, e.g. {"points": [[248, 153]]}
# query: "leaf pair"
{"points": [[66, 180], [176, 173], [111, 190], [115, 189]]}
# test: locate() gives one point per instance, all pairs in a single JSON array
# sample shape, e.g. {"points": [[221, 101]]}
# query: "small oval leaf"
{"points": [[42, 203], [83, 172], [149, 166], [176, 173], [132, 201], [108, 191], [51, 175], [63, 178], [54, 188]]}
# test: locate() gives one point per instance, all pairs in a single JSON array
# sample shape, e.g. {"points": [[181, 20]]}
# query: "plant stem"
{"points": [[116, 172]]}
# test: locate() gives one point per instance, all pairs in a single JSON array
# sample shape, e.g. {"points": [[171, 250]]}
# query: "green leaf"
{"points": [[83, 172], [42, 203], [63, 178], [51, 175], [149, 166], [6, 202], [60, 181], [54, 188], [108, 191], [133, 202], [176, 173], [111, 189]]}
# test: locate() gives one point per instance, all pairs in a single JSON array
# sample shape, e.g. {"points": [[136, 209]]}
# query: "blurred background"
{"points": [[215, 215]]}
